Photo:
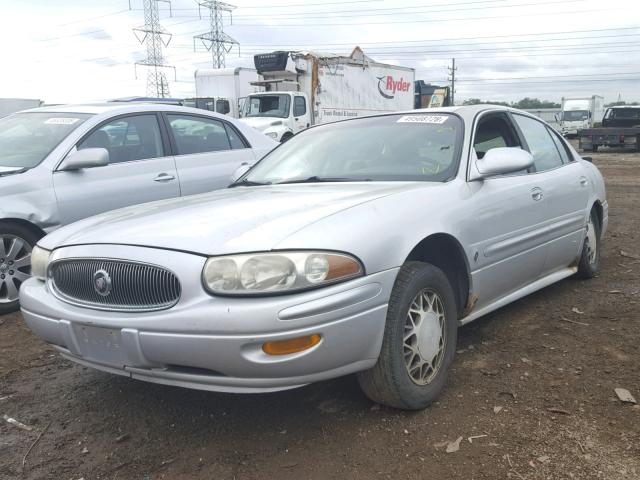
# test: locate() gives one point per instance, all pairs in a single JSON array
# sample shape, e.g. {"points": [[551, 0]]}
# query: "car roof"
{"points": [[115, 108]]}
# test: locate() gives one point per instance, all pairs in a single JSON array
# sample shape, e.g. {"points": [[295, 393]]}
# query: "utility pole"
{"points": [[215, 40], [155, 36], [452, 78]]}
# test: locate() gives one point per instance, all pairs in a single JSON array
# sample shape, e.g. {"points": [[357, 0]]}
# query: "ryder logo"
{"points": [[388, 87]]}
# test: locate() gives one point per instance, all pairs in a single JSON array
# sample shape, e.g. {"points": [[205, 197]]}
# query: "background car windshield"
{"points": [[575, 115], [268, 106], [420, 147], [27, 138]]}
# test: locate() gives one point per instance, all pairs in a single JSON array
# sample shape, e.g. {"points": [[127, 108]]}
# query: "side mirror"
{"points": [[85, 158], [588, 159], [501, 160], [240, 171]]}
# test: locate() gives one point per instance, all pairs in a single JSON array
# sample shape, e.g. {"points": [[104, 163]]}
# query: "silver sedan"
{"points": [[356, 247]]}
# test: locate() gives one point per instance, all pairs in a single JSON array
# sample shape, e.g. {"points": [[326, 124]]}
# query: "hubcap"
{"points": [[591, 243], [424, 337], [15, 266]]}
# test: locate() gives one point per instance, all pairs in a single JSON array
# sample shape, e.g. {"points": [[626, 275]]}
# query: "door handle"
{"points": [[536, 194], [164, 177], [584, 182]]}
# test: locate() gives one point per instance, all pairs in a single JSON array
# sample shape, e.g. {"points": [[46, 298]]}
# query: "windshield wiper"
{"points": [[317, 179], [247, 183]]}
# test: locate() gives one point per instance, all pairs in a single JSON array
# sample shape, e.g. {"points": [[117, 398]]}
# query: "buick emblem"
{"points": [[102, 283]]}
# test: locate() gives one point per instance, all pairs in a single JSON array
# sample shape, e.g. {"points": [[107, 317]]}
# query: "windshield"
{"points": [[420, 147], [267, 106], [575, 115], [27, 138]]}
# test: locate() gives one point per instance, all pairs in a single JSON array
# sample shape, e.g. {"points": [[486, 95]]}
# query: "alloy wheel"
{"points": [[15, 266]]}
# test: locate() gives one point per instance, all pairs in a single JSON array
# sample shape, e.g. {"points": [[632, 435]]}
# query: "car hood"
{"points": [[261, 123], [241, 219]]}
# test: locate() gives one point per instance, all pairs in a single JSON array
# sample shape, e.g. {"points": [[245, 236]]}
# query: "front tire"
{"points": [[287, 136], [589, 262], [419, 340], [16, 243]]}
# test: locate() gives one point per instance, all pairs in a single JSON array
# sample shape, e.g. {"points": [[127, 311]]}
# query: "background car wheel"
{"points": [[590, 258], [419, 340], [16, 243]]}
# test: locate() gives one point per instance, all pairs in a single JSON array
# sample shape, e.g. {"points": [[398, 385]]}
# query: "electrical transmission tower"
{"points": [[452, 78], [155, 36], [215, 40]]}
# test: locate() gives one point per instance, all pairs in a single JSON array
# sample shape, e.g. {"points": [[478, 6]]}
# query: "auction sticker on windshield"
{"points": [[61, 121], [437, 119]]}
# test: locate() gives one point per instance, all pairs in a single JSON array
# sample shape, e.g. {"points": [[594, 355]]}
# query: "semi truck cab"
{"points": [[279, 115]]}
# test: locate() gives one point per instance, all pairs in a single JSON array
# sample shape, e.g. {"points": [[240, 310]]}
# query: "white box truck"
{"points": [[221, 90], [307, 88], [579, 113]]}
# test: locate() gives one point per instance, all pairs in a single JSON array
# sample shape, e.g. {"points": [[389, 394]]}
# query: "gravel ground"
{"points": [[531, 395]]}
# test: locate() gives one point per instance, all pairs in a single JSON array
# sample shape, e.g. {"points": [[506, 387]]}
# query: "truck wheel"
{"points": [[594, 148], [419, 340], [16, 243], [286, 136], [590, 256]]}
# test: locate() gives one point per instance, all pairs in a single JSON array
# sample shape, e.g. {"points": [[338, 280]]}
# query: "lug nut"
{"points": [[10, 262], [10, 272], [2, 276]]}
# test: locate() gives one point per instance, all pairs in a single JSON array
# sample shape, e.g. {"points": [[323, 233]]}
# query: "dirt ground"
{"points": [[531, 395]]}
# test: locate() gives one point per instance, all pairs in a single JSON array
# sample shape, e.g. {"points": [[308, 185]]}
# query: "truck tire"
{"points": [[594, 148], [16, 243], [286, 136], [419, 340]]}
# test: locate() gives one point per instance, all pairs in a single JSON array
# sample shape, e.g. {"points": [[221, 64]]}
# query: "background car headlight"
{"points": [[265, 273], [39, 262]]}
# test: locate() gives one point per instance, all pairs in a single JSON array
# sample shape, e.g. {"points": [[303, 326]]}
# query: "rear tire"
{"points": [[419, 340], [16, 243], [589, 263]]}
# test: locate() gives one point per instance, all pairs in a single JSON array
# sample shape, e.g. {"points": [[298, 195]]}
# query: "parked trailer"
{"points": [[308, 88], [620, 129], [10, 105]]}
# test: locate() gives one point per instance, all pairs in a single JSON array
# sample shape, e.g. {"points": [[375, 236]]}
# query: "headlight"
{"points": [[273, 272], [272, 134], [39, 262]]}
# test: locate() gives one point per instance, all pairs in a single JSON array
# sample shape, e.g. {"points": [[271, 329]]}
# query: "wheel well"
{"points": [[37, 231], [446, 253]]}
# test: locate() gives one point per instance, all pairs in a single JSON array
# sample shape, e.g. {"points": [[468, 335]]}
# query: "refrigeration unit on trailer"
{"points": [[579, 113], [222, 90], [308, 88]]}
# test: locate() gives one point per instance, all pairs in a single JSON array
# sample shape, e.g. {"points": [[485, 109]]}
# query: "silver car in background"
{"points": [[357, 246], [64, 163]]}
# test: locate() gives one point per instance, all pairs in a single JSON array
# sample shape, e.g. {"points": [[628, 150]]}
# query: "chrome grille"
{"points": [[133, 286]]}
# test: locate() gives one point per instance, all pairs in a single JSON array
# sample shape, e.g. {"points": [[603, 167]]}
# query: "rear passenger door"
{"points": [[565, 187], [141, 169], [207, 151]]}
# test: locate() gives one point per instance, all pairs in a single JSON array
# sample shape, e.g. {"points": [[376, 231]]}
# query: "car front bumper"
{"points": [[215, 343]]}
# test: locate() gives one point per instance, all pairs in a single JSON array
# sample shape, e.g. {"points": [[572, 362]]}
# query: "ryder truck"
{"points": [[302, 89]]}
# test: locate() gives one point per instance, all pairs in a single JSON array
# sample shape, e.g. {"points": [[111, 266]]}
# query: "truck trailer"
{"points": [[222, 90], [302, 89], [580, 112]]}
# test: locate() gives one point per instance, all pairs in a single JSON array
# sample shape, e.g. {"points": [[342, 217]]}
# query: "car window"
{"points": [[542, 147], [416, 147], [299, 106], [234, 138], [562, 148], [128, 138], [198, 134], [493, 131]]}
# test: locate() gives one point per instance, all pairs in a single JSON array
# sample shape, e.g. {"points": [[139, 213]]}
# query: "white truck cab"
{"points": [[280, 115], [580, 113]]}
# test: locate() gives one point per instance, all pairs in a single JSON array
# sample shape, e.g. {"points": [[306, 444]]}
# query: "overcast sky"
{"points": [[77, 50]]}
